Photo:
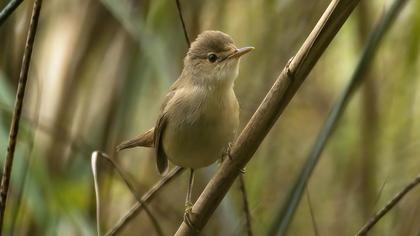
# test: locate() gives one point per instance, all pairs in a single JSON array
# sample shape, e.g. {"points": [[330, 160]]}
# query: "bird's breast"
{"points": [[200, 127]]}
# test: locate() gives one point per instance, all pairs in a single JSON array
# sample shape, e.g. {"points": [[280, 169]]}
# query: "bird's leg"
{"points": [[188, 202]]}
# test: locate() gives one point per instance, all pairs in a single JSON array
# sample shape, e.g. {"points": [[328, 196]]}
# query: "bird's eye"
{"points": [[212, 57]]}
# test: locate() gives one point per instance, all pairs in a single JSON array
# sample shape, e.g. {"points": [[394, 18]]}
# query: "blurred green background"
{"points": [[100, 70]]}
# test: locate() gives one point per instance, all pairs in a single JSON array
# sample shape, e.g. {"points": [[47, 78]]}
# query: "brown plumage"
{"points": [[200, 113]]}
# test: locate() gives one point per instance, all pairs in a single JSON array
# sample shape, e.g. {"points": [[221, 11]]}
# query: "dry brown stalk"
{"points": [[20, 94], [147, 197]]}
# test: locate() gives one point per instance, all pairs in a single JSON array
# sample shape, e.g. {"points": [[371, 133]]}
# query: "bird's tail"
{"points": [[143, 140]]}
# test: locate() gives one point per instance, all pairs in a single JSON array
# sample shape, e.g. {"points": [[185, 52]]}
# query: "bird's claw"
{"points": [[188, 207], [226, 153], [187, 216]]}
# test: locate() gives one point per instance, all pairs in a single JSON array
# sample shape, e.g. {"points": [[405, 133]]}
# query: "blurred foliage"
{"points": [[100, 70]]}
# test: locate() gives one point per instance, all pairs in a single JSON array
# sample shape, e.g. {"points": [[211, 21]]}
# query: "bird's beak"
{"points": [[240, 51]]}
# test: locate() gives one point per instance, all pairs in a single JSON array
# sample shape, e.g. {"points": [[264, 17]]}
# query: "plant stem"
{"points": [[23, 77], [178, 6], [147, 197], [382, 212], [245, 205], [8, 10], [285, 215]]}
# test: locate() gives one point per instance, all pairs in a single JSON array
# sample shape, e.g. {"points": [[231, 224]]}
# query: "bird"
{"points": [[199, 116]]}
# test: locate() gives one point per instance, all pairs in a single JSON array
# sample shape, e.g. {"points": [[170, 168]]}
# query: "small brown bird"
{"points": [[200, 114]]}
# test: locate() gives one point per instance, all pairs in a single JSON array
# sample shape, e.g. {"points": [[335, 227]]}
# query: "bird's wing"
{"points": [[161, 158]]}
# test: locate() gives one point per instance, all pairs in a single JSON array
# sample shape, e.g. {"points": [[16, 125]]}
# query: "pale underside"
{"points": [[200, 126]]}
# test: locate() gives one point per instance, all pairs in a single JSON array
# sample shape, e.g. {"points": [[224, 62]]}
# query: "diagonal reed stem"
{"points": [[147, 197], [20, 94], [382, 212], [283, 219], [178, 6], [8, 10]]}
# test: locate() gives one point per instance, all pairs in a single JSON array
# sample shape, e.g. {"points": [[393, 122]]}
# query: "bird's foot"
{"points": [[188, 207], [187, 216], [226, 153]]}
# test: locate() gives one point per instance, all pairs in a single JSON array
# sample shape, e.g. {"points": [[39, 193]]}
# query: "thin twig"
{"points": [[26, 165], [311, 211], [285, 214], [276, 100], [178, 6], [147, 197], [95, 156], [365, 229], [378, 195], [8, 10], [245, 205], [23, 77]]}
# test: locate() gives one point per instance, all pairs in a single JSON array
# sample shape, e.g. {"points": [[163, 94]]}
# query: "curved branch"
{"points": [[94, 161]]}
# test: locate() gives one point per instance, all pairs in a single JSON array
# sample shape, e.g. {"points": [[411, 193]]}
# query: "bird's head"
{"points": [[213, 59]]}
